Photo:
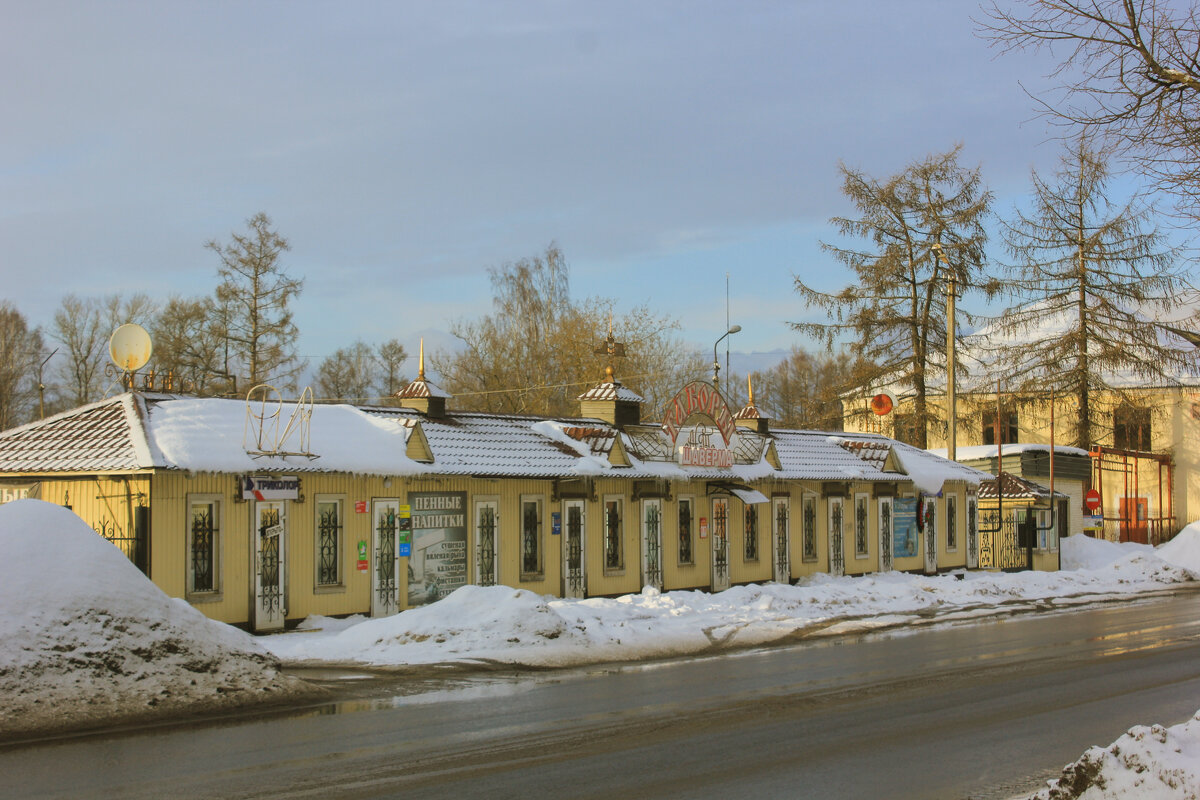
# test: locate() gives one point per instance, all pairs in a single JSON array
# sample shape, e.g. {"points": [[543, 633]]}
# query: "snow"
{"points": [[87, 640]]}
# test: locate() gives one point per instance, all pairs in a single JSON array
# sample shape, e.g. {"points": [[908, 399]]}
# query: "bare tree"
{"points": [[895, 308], [804, 389], [536, 353], [254, 295], [20, 355], [391, 356], [78, 328], [1087, 272], [1130, 72], [348, 375], [188, 346]]}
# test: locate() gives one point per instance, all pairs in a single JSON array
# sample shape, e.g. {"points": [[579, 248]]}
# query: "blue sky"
{"points": [[404, 147]]}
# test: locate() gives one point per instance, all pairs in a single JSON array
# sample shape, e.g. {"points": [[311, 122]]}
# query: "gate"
{"points": [[574, 584], [385, 578], [1005, 546]]}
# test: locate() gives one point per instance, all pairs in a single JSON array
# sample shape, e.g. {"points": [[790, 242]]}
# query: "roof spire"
{"points": [[750, 391], [611, 348], [421, 362]]}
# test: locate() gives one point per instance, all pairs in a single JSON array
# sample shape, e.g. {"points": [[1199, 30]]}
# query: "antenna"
{"points": [[130, 347]]}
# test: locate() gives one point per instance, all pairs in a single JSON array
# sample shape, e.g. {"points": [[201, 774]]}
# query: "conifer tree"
{"points": [[894, 311]]}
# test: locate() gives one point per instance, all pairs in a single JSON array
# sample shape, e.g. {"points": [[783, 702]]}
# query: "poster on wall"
{"points": [[905, 534], [18, 491], [438, 562]]}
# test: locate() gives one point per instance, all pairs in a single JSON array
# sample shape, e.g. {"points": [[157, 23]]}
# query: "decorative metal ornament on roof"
{"points": [[264, 418], [612, 348]]}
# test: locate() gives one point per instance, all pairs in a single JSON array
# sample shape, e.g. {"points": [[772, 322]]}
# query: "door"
{"points": [[574, 549], [720, 544], [781, 547], [270, 538], [652, 543], [837, 546], [929, 512], [1133, 511], [487, 516], [972, 532], [885, 534], [385, 569]]}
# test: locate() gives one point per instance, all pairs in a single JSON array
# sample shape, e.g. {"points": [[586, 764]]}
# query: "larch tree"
{"points": [[1129, 75], [254, 296], [536, 353], [20, 356], [1089, 274], [893, 314]]}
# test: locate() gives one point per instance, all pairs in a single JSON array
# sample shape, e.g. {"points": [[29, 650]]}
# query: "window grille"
{"points": [[204, 547], [329, 539], [685, 531]]}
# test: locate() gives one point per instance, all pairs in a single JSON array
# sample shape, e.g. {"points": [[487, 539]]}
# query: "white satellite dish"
{"points": [[130, 347]]}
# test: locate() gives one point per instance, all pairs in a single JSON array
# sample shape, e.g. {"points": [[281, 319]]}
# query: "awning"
{"points": [[739, 490]]}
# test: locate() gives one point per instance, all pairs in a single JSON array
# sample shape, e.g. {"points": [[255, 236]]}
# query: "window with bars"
{"points": [[951, 522], [860, 526], [1008, 427], [751, 533], [1131, 428], [329, 542], [614, 552], [531, 537], [809, 521], [685, 531], [204, 531]]}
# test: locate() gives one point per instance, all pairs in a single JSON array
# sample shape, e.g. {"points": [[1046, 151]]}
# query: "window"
{"points": [[860, 526], [951, 522], [329, 541], [751, 533], [810, 527], [531, 537], [1131, 428], [614, 553], [931, 521], [1008, 427], [685, 530], [204, 532]]}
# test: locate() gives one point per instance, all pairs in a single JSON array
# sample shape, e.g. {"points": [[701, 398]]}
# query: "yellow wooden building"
{"points": [[262, 512]]}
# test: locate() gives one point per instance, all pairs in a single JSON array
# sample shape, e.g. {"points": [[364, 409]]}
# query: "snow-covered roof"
{"points": [[214, 435], [977, 452]]}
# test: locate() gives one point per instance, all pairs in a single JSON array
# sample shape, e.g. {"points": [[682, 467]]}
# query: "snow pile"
{"points": [[1184, 549], [86, 638], [1084, 552], [1152, 762], [499, 624]]}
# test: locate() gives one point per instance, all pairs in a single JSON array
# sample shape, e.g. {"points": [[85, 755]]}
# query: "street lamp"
{"points": [[716, 363]]}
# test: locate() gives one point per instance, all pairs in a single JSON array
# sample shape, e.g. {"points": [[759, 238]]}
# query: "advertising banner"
{"points": [[18, 491], [904, 531], [256, 488], [437, 564]]}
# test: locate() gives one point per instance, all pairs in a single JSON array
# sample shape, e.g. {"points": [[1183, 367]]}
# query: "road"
{"points": [[985, 710]]}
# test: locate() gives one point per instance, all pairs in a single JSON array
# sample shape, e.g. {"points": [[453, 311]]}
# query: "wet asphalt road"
{"points": [[984, 710]]}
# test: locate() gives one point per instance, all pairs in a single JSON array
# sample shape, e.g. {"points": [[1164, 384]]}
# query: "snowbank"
{"points": [[499, 624], [1150, 762], [1184, 549], [86, 638]]}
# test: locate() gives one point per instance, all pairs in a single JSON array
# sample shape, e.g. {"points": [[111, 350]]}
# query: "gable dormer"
{"points": [[750, 417], [423, 395], [612, 402]]}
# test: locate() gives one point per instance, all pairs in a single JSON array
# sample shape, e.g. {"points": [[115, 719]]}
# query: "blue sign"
{"points": [[405, 549], [555, 523], [904, 527]]}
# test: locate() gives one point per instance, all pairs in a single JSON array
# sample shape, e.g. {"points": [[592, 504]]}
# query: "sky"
{"points": [[671, 149]]}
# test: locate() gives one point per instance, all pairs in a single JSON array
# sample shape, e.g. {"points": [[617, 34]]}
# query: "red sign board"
{"points": [[698, 398], [1092, 500], [360, 506]]}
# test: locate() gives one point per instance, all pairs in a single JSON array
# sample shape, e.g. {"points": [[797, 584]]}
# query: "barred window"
{"points": [[1131, 428], [751, 533], [810, 528], [329, 542], [685, 530], [951, 522], [614, 553], [203, 533], [531, 536]]}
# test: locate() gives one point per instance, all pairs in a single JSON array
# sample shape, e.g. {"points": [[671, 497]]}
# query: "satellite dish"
{"points": [[130, 347], [883, 403]]}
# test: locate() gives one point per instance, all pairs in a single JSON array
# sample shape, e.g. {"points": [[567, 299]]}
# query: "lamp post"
{"points": [[951, 397], [716, 363]]}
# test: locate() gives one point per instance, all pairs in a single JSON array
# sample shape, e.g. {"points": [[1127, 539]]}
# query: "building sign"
{"points": [[698, 450], [904, 531], [255, 488], [437, 563], [19, 491], [700, 398]]}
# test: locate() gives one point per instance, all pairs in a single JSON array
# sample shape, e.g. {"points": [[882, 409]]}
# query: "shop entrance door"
{"points": [[574, 550], [885, 534], [720, 544], [652, 543], [270, 526], [385, 569], [781, 547]]}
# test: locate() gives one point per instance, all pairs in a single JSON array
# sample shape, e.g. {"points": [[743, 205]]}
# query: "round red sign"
{"points": [[1092, 500]]}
